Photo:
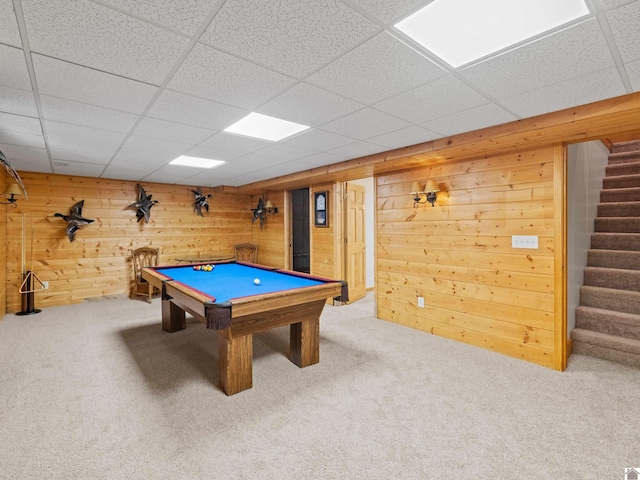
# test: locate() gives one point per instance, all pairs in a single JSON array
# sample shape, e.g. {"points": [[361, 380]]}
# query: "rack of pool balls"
{"points": [[204, 268]]}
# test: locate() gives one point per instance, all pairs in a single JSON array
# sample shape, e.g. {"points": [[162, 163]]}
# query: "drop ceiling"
{"points": [[119, 88]]}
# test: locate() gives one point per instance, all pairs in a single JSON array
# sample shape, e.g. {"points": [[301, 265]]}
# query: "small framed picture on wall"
{"points": [[320, 209]]}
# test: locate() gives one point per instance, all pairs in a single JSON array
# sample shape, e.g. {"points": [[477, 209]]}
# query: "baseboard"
{"points": [[569, 347]]}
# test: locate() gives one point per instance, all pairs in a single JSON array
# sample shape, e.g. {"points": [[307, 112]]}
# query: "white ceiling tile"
{"points": [[14, 71], [171, 174], [633, 71], [284, 152], [93, 35], [469, 120], [577, 91], [182, 108], [29, 159], [291, 37], [235, 143], [76, 113], [567, 54], [218, 76], [388, 11], [309, 105], [65, 167], [439, 98], [318, 160], [19, 102], [19, 138], [77, 143], [173, 132], [154, 148], [213, 153], [405, 137], [356, 150], [609, 4], [365, 123], [625, 22], [184, 17], [85, 85], [380, 68], [126, 171], [20, 123], [318, 140], [9, 33]]}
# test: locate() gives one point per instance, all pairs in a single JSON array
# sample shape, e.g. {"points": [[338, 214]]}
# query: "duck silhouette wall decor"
{"points": [[143, 204], [74, 220], [201, 202], [259, 213]]}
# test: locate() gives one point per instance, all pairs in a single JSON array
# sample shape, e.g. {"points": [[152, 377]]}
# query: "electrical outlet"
{"points": [[421, 302], [45, 285], [524, 241]]}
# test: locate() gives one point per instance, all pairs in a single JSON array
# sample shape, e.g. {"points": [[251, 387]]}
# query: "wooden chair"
{"points": [[247, 252], [144, 257]]}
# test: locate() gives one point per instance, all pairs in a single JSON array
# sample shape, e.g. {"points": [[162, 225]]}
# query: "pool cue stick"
{"points": [[28, 293]]}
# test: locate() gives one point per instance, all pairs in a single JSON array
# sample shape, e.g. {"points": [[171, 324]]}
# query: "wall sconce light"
{"points": [[11, 191], [428, 194], [270, 208]]}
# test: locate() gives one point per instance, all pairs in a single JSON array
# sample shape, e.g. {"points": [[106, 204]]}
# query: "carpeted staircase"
{"points": [[608, 318]]}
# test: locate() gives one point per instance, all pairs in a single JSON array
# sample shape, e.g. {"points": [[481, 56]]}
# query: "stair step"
{"points": [[629, 146], [615, 278], [624, 157], [621, 181], [608, 321], [608, 347], [631, 194], [614, 259], [626, 168], [619, 209], [610, 299], [615, 241], [617, 224]]}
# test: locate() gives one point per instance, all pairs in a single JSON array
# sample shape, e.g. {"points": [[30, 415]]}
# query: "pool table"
{"points": [[239, 299]]}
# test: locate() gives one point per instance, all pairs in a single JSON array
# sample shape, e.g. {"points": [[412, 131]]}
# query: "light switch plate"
{"points": [[524, 241]]}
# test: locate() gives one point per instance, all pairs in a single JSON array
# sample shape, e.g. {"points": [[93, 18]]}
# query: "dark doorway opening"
{"points": [[300, 234]]}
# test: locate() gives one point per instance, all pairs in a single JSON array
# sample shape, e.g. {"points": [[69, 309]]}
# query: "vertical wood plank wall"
{"points": [[323, 257], [98, 262], [458, 254]]}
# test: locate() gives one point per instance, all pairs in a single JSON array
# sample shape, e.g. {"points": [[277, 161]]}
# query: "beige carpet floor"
{"points": [[99, 391]]}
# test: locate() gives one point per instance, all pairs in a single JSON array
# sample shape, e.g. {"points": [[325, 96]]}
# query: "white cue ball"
{"points": [[256, 281]]}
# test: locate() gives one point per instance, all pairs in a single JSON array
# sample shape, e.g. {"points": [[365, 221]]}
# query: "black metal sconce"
{"points": [[11, 191], [428, 194]]}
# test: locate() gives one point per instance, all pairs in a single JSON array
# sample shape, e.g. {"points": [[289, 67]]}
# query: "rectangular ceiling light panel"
{"points": [[265, 127], [196, 162], [461, 31]]}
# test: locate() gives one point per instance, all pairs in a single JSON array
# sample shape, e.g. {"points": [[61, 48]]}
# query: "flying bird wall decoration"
{"points": [[143, 204], [74, 220], [200, 202], [259, 213], [12, 171]]}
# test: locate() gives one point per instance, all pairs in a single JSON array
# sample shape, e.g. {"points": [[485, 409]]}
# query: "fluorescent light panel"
{"points": [[264, 127], [196, 162], [461, 31]]}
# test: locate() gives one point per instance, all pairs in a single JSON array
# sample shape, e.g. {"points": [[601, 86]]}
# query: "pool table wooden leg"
{"points": [[173, 317], [305, 342], [235, 357]]}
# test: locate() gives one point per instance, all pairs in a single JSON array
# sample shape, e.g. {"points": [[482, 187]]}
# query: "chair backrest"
{"points": [[144, 257], [247, 252]]}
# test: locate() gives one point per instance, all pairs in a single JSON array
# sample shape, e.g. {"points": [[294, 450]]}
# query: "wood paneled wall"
{"points": [[458, 254], [3, 249], [98, 262], [324, 260], [270, 237]]}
